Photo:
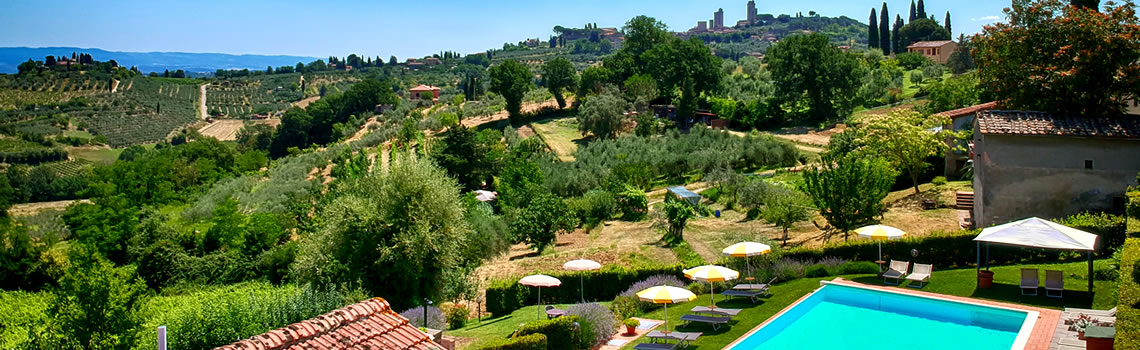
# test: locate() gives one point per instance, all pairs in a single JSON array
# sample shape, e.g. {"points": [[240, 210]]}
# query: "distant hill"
{"points": [[11, 57]]}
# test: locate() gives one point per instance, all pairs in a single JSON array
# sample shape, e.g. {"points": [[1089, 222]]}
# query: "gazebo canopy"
{"points": [[1038, 233], [684, 194]]}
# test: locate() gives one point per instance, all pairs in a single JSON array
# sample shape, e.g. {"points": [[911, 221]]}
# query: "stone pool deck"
{"points": [[621, 339], [1043, 330]]}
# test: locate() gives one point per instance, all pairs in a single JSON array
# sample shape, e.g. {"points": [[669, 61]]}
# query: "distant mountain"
{"points": [[11, 57]]}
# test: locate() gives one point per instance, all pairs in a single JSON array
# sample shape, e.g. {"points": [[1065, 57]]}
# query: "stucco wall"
{"points": [[1045, 176]]}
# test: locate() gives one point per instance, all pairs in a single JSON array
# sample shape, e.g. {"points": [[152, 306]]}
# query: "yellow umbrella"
{"points": [[710, 274], [540, 281], [746, 250], [666, 295], [582, 265], [880, 233]]}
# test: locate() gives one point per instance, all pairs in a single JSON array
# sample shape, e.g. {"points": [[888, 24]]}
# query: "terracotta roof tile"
{"points": [[997, 122], [938, 43], [967, 111], [370, 324]]}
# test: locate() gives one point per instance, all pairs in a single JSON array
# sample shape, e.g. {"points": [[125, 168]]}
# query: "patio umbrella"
{"points": [[710, 274], [540, 281], [666, 295], [880, 233], [582, 265], [746, 250]]}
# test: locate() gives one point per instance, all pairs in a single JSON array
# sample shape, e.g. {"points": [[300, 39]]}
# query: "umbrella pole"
{"points": [[666, 318], [711, 295], [539, 315]]}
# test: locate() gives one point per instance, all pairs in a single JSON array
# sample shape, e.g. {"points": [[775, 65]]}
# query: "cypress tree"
{"points": [[947, 23], [873, 30], [921, 10], [885, 30], [913, 13], [898, 25]]}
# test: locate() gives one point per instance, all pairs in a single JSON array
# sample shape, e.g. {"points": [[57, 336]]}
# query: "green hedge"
{"points": [[1111, 229], [1127, 313], [506, 295], [560, 332], [535, 341]]}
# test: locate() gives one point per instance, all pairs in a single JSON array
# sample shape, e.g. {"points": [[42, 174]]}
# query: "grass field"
{"points": [[951, 282], [561, 135]]}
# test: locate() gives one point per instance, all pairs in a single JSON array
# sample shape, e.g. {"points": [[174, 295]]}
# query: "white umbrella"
{"points": [[666, 295], [710, 274], [540, 281], [582, 265], [880, 233], [746, 250]]}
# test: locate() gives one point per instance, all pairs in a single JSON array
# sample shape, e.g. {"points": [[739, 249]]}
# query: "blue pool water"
{"points": [[843, 317]]}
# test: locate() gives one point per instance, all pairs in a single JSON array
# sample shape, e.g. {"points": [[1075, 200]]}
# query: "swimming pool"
{"points": [[838, 316]]}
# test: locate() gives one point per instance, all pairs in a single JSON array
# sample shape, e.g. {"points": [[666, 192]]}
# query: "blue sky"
{"points": [[385, 28]]}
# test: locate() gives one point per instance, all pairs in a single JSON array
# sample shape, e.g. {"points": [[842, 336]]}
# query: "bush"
{"points": [[858, 267], [633, 203], [626, 306], [598, 322], [560, 332], [506, 295], [1110, 228], [939, 180], [435, 318], [817, 270], [1106, 274], [455, 314], [1128, 314], [535, 341], [788, 269]]}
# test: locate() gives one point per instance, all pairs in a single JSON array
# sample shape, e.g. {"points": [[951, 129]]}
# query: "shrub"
{"points": [[626, 306], [653, 281], [1110, 228], [598, 322], [939, 180], [435, 317], [455, 314], [832, 264], [535, 341], [560, 332], [788, 269], [858, 267], [697, 288], [1128, 314], [633, 203], [817, 270], [631, 322], [506, 295], [1106, 274]]}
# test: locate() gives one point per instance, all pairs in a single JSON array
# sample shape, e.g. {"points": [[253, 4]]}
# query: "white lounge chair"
{"points": [[714, 321], [1029, 281], [1054, 282], [896, 272], [920, 274]]}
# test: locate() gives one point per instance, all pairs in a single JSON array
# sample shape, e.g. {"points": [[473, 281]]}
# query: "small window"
{"points": [[1088, 164]]}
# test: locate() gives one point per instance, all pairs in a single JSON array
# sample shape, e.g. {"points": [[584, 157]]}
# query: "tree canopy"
{"points": [[511, 80], [922, 29], [905, 138], [810, 72], [849, 190], [558, 75], [602, 115]]}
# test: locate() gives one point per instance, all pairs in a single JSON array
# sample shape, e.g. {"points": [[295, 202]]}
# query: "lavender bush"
{"points": [[598, 319], [627, 305], [653, 281], [788, 269], [415, 317]]}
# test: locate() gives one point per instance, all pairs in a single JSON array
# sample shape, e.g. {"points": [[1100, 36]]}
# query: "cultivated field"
{"points": [[223, 130]]}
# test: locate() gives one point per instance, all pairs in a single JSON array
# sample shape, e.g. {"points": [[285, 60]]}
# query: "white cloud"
{"points": [[985, 19]]}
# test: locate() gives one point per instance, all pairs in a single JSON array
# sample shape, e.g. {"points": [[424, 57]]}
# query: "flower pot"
{"points": [[630, 329], [985, 279], [1081, 335]]}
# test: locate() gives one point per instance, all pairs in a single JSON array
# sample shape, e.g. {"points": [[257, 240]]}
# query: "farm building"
{"points": [[421, 89], [682, 193], [937, 51], [370, 324], [1037, 164], [960, 119]]}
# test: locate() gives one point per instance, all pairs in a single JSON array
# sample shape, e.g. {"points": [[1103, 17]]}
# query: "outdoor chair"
{"points": [[896, 272], [683, 338], [920, 274], [755, 286], [753, 295], [1054, 282], [717, 311], [714, 321], [1029, 281]]}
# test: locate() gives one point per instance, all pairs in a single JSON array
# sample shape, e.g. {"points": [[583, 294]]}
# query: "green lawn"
{"points": [[561, 135], [953, 282], [102, 156]]}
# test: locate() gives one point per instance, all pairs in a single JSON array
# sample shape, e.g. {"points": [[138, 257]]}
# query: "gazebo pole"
{"points": [[979, 252], [1090, 272]]}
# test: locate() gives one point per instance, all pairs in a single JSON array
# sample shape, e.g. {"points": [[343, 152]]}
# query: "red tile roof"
{"points": [[370, 324], [967, 111], [423, 88], [996, 122], [922, 44]]}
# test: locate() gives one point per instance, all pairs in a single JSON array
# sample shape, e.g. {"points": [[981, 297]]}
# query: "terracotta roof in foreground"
{"points": [[921, 44], [967, 111], [370, 324], [997, 122]]}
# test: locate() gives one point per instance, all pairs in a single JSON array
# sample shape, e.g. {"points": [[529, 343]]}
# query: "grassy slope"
{"points": [[561, 138]]}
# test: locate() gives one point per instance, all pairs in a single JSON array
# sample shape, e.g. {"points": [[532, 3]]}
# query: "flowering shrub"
{"points": [[455, 314], [415, 316], [597, 320]]}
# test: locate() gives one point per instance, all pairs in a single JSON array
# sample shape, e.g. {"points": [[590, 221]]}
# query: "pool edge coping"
{"points": [[1019, 343]]}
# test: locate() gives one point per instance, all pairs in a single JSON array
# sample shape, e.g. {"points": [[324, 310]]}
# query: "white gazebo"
{"points": [[1037, 233]]}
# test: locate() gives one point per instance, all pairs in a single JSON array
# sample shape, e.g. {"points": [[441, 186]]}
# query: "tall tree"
{"points": [[809, 70], [946, 23], [904, 138], [685, 66], [961, 61], [512, 80], [873, 30], [785, 207], [913, 12], [602, 116], [884, 31], [849, 191], [558, 75], [1079, 63], [920, 10], [922, 29], [895, 42], [1088, 4], [541, 220]]}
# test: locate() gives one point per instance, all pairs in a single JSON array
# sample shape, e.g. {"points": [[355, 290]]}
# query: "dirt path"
{"points": [[305, 102], [526, 108], [363, 130], [114, 86], [202, 101], [29, 209]]}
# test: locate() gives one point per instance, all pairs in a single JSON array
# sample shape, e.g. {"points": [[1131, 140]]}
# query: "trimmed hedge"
{"points": [[535, 341], [1111, 229], [560, 332], [1127, 312], [507, 295]]}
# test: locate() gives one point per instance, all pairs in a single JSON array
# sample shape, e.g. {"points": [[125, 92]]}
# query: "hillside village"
{"points": [[738, 184]]}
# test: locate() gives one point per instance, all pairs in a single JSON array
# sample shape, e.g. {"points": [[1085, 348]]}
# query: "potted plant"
{"points": [[631, 325], [1080, 323]]}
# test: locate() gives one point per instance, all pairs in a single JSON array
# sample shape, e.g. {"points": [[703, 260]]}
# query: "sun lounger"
{"points": [[718, 311], [750, 294], [920, 274], [1094, 313], [754, 286], [896, 272], [656, 346], [714, 321], [1029, 281], [1054, 282], [682, 338]]}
